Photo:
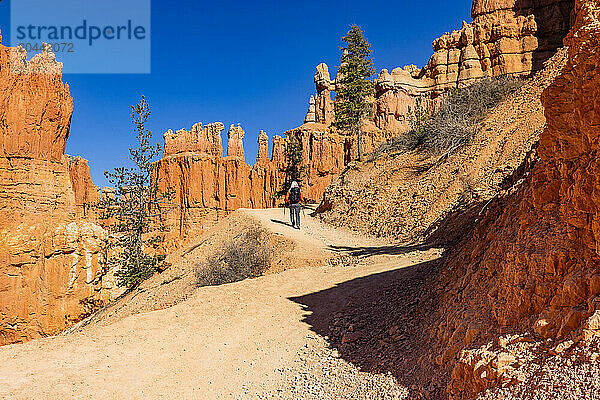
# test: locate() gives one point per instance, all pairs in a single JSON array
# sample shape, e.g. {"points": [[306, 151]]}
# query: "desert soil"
{"points": [[255, 339]]}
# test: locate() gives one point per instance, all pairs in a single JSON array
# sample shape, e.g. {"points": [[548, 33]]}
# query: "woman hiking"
{"points": [[293, 198]]}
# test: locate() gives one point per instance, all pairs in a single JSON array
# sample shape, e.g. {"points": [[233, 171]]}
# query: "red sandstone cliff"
{"points": [[533, 265], [49, 256], [207, 186]]}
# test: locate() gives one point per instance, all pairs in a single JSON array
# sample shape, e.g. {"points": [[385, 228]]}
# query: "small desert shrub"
{"points": [[405, 142], [455, 121], [244, 256]]}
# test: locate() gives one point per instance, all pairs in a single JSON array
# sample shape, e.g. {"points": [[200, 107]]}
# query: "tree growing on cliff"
{"points": [[293, 155], [294, 168], [355, 91], [133, 212]]}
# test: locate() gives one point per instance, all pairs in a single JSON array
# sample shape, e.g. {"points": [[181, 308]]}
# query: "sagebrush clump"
{"points": [[455, 121], [245, 256]]}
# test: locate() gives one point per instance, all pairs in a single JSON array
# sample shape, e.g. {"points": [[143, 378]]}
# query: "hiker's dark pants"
{"points": [[295, 214]]}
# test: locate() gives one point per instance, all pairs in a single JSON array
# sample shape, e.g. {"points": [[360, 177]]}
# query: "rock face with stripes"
{"points": [[50, 274], [532, 267]]}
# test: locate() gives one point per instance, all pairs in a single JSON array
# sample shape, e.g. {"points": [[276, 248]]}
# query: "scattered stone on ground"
{"points": [[319, 373], [570, 375]]}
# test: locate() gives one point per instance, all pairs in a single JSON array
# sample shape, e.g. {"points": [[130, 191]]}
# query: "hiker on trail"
{"points": [[293, 198]]}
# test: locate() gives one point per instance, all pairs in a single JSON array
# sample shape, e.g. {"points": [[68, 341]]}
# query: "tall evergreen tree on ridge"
{"points": [[294, 168], [354, 89]]}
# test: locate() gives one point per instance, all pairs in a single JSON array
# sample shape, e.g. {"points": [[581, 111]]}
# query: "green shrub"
{"points": [[245, 256]]}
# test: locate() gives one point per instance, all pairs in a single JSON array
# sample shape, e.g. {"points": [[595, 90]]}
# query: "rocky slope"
{"points": [[409, 196], [532, 266], [50, 273], [514, 309]]}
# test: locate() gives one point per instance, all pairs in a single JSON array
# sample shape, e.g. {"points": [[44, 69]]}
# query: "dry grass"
{"points": [[245, 256], [455, 122]]}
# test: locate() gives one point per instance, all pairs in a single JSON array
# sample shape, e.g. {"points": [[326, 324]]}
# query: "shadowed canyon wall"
{"points": [[50, 273], [533, 266]]}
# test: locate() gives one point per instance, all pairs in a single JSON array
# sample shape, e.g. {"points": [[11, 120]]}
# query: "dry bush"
{"points": [[455, 122], [405, 142], [245, 256]]}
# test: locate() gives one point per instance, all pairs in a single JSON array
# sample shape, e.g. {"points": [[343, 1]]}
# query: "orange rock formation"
{"points": [[207, 186], [50, 273], [534, 264], [506, 37]]}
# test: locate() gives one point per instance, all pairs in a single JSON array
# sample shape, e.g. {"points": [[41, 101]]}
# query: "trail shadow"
{"points": [[389, 322], [377, 323], [308, 208], [277, 221], [382, 323], [368, 251]]}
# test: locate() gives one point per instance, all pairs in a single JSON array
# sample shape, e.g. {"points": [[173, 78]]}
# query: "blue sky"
{"points": [[247, 62]]}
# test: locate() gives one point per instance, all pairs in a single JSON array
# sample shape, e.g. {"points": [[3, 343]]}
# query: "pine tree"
{"points": [[133, 213], [294, 168], [354, 90], [293, 155]]}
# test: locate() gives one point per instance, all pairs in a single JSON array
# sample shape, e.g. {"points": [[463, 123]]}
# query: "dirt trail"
{"points": [[314, 235], [241, 341]]}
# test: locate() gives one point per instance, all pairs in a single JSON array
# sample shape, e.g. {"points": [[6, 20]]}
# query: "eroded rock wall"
{"points": [[84, 190], [506, 37], [50, 271], [532, 267], [207, 186]]}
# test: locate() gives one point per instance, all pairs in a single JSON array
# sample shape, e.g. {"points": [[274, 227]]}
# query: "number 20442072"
{"points": [[56, 47]]}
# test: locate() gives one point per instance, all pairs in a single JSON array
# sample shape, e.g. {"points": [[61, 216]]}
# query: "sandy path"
{"points": [[314, 235], [229, 341]]}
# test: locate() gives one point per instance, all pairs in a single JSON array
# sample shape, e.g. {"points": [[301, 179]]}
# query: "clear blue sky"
{"points": [[248, 62]]}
